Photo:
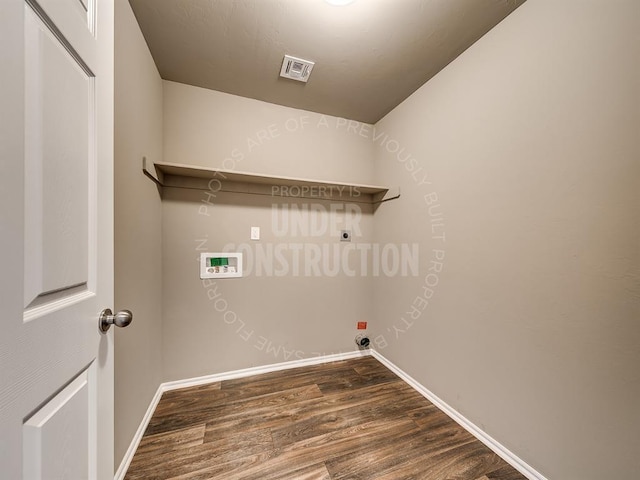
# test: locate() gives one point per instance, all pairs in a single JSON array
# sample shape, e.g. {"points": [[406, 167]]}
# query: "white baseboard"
{"points": [[506, 454], [218, 377], [133, 446], [247, 372]]}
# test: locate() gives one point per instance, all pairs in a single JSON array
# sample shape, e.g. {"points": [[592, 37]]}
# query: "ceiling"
{"points": [[369, 56]]}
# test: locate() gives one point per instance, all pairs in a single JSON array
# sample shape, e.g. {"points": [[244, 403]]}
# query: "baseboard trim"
{"points": [[133, 446], [503, 452], [274, 367], [219, 377]]}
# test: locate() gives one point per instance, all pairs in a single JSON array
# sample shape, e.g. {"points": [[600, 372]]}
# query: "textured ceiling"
{"points": [[370, 55]]}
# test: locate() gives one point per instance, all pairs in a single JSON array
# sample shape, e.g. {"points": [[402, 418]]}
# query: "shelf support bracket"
{"points": [[391, 194], [159, 179]]}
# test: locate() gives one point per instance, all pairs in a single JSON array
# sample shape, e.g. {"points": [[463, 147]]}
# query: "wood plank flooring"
{"points": [[352, 420]]}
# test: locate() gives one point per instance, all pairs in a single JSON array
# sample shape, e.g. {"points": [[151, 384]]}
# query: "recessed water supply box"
{"points": [[220, 265]]}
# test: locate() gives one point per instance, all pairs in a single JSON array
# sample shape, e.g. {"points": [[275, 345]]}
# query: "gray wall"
{"points": [[265, 317], [530, 140], [138, 282], [528, 143], [215, 129]]}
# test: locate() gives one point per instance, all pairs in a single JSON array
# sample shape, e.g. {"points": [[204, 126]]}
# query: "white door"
{"points": [[56, 255]]}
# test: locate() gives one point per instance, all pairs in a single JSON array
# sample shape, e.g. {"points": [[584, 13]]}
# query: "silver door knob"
{"points": [[120, 319]]}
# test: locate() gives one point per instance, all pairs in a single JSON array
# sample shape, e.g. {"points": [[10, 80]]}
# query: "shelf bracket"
{"points": [[391, 194], [159, 179]]}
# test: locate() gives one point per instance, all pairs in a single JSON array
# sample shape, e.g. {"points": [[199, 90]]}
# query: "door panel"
{"points": [[59, 108], [73, 20], [57, 440]]}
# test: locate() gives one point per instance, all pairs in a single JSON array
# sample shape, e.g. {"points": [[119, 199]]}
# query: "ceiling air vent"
{"points": [[296, 68]]}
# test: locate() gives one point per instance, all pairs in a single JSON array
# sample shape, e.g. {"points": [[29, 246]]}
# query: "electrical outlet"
{"points": [[255, 233]]}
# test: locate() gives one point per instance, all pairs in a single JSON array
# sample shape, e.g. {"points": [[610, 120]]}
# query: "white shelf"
{"points": [[189, 176]]}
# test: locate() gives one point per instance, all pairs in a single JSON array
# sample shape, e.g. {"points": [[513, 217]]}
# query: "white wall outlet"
{"points": [[255, 233]]}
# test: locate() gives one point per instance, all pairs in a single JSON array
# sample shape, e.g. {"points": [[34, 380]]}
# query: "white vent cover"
{"points": [[296, 68]]}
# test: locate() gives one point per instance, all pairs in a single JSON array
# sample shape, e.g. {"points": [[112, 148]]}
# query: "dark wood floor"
{"points": [[345, 420]]}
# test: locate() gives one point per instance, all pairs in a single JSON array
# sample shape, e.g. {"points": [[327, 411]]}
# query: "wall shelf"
{"points": [[218, 180]]}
